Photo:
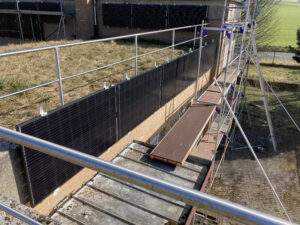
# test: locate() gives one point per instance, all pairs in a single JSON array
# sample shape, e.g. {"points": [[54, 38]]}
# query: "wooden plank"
{"points": [[211, 97], [205, 149], [176, 145], [214, 88]]}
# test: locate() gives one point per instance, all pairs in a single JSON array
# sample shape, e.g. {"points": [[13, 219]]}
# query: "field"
{"points": [[279, 74], [240, 179], [288, 16], [27, 70]]}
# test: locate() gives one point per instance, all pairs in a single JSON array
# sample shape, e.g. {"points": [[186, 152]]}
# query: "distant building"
{"points": [[85, 19]]}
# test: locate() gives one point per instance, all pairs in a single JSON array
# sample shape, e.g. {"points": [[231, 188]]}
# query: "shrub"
{"points": [[297, 50]]}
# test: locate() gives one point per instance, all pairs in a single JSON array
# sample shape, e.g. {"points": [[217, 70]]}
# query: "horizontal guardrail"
{"points": [[61, 78], [195, 198]]}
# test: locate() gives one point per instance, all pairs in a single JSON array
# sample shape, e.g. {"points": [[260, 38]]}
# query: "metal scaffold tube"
{"points": [[281, 104], [192, 197], [253, 153], [18, 215], [263, 91]]}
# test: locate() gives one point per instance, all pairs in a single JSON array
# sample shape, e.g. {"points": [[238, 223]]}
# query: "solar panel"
{"points": [[184, 15], [87, 125], [117, 15], [149, 16], [169, 83], [93, 123], [138, 98]]}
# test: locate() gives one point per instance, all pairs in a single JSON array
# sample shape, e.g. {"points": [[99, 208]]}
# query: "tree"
{"points": [[297, 50]]}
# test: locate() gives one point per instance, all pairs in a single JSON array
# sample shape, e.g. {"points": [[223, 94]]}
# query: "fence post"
{"points": [[195, 36], [59, 78], [136, 54], [199, 60]]}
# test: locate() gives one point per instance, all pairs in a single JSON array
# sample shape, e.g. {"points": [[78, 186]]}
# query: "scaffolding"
{"points": [[34, 10], [228, 82]]}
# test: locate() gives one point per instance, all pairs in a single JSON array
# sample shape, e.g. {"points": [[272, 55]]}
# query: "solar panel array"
{"points": [[148, 16], [92, 124], [87, 125]]}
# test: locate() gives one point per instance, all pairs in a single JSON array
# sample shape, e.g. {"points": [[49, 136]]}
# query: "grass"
{"points": [[280, 73], [289, 96], [288, 15], [239, 178], [27, 70]]}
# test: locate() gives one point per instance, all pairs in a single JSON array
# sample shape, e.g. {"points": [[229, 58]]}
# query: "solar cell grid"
{"points": [[152, 16], [89, 124], [138, 98]]}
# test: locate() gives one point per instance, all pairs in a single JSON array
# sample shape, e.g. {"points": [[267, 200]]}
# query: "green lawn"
{"points": [[289, 75], [288, 15]]}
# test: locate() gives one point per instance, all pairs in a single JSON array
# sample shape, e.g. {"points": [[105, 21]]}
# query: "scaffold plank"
{"points": [[175, 147]]}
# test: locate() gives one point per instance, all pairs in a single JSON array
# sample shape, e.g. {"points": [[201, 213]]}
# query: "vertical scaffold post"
{"points": [[199, 60], [221, 40], [253, 153], [173, 43], [62, 17], [20, 20], [222, 116], [59, 76], [263, 90], [136, 53]]}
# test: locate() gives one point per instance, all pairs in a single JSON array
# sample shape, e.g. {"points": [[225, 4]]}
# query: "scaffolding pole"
{"points": [[20, 20], [253, 153], [263, 91], [282, 105]]}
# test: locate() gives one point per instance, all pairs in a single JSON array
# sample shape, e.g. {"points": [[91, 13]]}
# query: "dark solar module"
{"points": [[184, 15], [149, 16], [8, 5], [139, 98], [210, 52], [169, 83], [146, 16], [93, 123], [117, 15], [42, 6], [87, 125], [49, 6]]}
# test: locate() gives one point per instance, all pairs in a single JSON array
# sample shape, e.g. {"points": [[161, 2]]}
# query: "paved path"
{"points": [[277, 57]]}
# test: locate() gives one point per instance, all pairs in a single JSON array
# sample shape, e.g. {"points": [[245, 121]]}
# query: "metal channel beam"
{"points": [[189, 196]]}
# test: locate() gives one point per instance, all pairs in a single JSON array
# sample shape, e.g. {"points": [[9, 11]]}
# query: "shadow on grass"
{"points": [[254, 123]]}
